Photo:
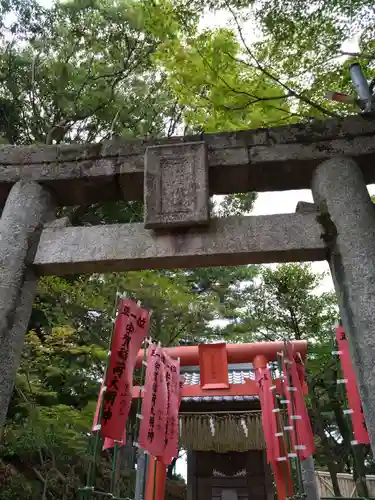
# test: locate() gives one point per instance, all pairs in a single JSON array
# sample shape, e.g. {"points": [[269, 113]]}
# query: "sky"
{"points": [[285, 202]]}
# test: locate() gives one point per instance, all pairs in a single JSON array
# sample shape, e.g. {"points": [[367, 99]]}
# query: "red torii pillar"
{"points": [[156, 478]]}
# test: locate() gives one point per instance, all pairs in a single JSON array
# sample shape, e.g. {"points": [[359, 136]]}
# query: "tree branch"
{"points": [[261, 68], [38, 475], [255, 101], [295, 323], [357, 54]]}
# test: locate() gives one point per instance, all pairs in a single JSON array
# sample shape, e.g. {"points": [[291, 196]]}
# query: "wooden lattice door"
{"points": [[243, 476]]}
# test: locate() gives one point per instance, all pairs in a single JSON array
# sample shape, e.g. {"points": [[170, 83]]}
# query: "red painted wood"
{"points": [[249, 388], [213, 364], [237, 353], [156, 478]]}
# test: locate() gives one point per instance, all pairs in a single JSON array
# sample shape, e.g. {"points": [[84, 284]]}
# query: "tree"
{"points": [[89, 87], [215, 93], [285, 305], [273, 63]]}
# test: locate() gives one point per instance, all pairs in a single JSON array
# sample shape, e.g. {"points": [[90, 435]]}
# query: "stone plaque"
{"points": [[176, 185]]}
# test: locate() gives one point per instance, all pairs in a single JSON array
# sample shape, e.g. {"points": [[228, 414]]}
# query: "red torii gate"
{"points": [[213, 361]]}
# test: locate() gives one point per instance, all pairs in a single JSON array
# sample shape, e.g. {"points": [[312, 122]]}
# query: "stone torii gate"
{"points": [[175, 177]]}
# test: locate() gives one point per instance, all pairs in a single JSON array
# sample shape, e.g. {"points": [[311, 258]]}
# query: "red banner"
{"points": [[108, 443], [354, 400], [299, 422], [174, 398], [131, 327], [269, 422], [154, 406]]}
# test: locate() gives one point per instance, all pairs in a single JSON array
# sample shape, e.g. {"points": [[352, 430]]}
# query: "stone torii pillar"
{"points": [[347, 216], [27, 208]]}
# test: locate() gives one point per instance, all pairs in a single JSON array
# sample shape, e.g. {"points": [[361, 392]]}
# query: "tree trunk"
{"points": [[359, 474], [337, 407], [359, 471], [332, 467]]}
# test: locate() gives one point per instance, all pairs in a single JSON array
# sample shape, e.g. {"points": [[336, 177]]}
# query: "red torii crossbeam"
{"points": [[237, 353]]}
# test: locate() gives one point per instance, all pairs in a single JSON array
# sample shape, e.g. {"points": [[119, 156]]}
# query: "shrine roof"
{"points": [[237, 373]]}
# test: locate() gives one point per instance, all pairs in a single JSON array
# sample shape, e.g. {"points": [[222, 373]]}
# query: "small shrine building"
{"points": [[220, 423], [224, 440]]}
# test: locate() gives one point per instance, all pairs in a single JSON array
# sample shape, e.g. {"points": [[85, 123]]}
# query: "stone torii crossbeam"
{"points": [[175, 177]]}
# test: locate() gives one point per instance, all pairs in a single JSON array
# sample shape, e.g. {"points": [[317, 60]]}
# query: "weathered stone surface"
{"points": [[310, 483], [304, 207], [226, 242], [176, 186], [140, 475], [304, 133], [319, 150], [27, 208], [57, 223], [348, 219], [251, 160]]}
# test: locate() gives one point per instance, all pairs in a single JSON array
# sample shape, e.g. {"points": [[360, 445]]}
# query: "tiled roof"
{"points": [[236, 375], [219, 399]]}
